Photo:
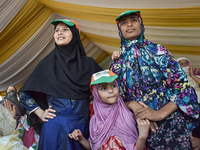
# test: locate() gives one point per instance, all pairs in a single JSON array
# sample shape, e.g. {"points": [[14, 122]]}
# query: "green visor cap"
{"points": [[105, 76], [127, 13], [66, 21]]}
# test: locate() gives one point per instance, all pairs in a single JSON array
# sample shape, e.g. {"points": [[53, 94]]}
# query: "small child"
{"points": [[112, 125]]}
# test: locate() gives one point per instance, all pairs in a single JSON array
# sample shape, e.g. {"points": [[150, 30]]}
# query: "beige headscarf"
{"points": [[192, 82]]}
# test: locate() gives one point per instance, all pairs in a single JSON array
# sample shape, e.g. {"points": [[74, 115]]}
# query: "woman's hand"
{"points": [[115, 55], [195, 142], [153, 125], [191, 73], [148, 113], [10, 108], [48, 114]]}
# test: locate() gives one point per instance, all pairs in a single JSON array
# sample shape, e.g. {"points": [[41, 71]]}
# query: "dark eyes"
{"points": [[186, 63], [125, 22], [63, 29], [114, 85]]}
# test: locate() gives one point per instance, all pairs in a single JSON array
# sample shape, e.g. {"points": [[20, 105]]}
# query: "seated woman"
{"points": [[26, 133], [9, 137], [194, 81]]}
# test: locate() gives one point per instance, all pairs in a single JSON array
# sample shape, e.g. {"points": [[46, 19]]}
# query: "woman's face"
{"points": [[183, 63], [63, 34], [108, 92], [10, 88], [130, 27]]}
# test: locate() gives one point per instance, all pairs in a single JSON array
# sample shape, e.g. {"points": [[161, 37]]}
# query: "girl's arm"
{"points": [[155, 115], [44, 115], [78, 136], [143, 129], [30, 104], [134, 106]]}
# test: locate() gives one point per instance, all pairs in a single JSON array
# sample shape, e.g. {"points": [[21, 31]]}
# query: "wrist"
{"points": [[142, 138], [162, 114]]}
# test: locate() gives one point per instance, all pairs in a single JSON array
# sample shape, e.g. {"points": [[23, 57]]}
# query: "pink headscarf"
{"points": [[110, 120]]}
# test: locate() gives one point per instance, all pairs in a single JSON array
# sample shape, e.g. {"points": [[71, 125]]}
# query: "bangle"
{"points": [[198, 82]]}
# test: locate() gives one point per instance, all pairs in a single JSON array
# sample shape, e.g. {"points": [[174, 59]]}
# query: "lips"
{"points": [[130, 30], [111, 96], [61, 38]]}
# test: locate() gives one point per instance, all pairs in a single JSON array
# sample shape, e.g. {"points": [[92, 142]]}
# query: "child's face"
{"points": [[130, 27], [108, 92], [63, 34]]}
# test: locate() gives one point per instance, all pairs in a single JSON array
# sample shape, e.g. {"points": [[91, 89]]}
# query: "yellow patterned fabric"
{"points": [[9, 139]]}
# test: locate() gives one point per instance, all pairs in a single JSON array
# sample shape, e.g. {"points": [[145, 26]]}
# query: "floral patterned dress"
{"points": [[149, 73]]}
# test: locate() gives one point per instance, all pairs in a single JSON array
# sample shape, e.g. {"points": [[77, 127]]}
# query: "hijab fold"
{"points": [[65, 72]]}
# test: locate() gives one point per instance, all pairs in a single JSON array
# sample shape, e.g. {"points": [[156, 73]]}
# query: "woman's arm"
{"points": [[134, 106], [156, 115]]}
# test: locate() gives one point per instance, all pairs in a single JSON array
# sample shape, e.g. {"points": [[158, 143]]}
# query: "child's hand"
{"points": [[76, 135], [10, 108], [143, 128], [47, 114]]}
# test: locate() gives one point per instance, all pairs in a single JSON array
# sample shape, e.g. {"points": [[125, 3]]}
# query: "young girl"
{"points": [[112, 126], [58, 91], [149, 73]]}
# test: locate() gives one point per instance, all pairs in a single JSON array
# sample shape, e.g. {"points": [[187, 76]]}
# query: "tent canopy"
{"points": [[26, 35]]}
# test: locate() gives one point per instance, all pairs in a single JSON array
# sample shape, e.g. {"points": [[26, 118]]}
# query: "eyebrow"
{"points": [[130, 17]]}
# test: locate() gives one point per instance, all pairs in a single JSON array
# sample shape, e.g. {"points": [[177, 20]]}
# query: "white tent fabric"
{"points": [[21, 51]]}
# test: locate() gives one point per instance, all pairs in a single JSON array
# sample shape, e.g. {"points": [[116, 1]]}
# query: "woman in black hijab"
{"points": [[60, 86]]}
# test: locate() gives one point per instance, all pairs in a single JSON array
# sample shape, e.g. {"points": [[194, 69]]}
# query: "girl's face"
{"points": [[130, 27], [63, 34], [10, 88], [108, 92], [183, 63]]}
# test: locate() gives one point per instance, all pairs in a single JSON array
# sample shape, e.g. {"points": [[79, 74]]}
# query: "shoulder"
{"points": [[157, 49]]}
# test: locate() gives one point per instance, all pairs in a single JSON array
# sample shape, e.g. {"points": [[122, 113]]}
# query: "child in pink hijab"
{"points": [[112, 126]]}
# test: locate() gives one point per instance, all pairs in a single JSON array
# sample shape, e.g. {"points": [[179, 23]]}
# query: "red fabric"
{"points": [[28, 137], [91, 109], [112, 144]]}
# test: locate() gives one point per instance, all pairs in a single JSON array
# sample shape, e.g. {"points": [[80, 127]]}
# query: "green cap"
{"points": [[66, 21], [105, 76], [128, 12]]}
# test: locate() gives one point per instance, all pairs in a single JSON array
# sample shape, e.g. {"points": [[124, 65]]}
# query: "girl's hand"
{"points": [[115, 55], [153, 125], [76, 135], [148, 113], [143, 128], [47, 114], [10, 108]]}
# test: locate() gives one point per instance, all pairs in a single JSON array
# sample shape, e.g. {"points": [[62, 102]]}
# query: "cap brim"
{"points": [[67, 22], [104, 80], [127, 13]]}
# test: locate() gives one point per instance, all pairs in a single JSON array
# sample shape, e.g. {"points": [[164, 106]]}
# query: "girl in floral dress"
{"points": [[148, 73], [112, 126]]}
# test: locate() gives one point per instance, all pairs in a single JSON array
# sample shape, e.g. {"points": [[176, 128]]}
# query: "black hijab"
{"points": [[65, 72]]}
